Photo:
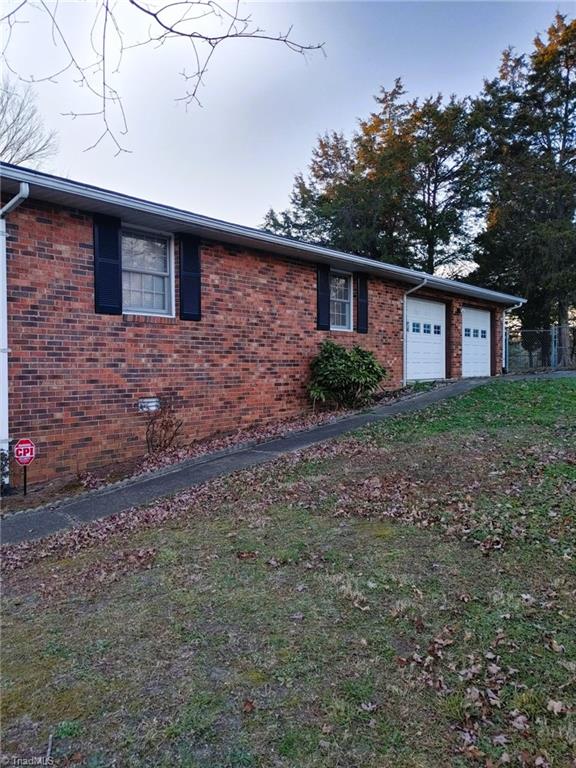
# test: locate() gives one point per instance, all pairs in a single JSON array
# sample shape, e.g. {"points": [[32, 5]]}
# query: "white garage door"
{"points": [[425, 340], [475, 342]]}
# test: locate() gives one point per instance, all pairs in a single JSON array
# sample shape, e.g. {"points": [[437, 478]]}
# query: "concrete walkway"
{"points": [[83, 508]]}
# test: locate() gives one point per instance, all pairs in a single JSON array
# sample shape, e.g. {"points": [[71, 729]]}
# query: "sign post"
{"points": [[25, 453]]}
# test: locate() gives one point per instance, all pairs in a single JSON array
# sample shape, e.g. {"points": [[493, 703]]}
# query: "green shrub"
{"points": [[344, 377]]}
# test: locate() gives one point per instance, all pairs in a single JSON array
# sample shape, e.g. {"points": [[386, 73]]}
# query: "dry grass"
{"points": [[404, 597]]}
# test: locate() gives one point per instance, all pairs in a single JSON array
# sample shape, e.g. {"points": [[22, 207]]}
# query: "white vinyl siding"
{"points": [[340, 302], [146, 273]]}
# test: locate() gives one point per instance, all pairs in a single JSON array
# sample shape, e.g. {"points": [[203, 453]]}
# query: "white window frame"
{"points": [[350, 327], [146, 312]]}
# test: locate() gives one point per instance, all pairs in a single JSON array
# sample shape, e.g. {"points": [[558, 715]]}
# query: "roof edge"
{"points": [[257, 238]]}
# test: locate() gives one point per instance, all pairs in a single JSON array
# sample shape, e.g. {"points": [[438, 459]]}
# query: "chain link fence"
{"points": [[530, 350]]}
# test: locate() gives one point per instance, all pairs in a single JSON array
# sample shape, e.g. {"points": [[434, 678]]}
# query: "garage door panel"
{"points": [[476, 342], [426, 340]]}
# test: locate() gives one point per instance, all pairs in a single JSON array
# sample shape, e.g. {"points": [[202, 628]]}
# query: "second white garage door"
{"points": [[475, 342], [425, 340]]}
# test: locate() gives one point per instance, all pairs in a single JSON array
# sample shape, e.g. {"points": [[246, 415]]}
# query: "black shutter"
{"points": [[323, 293], [107, 265], [362, 322], [190, 278]]}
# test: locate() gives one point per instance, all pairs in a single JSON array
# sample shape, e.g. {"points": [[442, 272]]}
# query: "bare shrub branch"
{"points": [[163, 427]]}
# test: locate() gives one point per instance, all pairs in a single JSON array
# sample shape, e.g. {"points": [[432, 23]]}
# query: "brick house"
{"points": [[107, 300]]}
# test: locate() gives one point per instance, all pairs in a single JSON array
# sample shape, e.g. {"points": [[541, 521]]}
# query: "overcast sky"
{"points": [[263, 106]]}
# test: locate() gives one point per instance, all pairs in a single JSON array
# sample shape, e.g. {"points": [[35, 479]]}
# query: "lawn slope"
{"points": [[402, 597]]}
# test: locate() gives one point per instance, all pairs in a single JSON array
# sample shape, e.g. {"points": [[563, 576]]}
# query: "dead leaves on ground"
{"points": [[246, 555], [458, 500], [480, 688], [102, 572], [439, 491], [258, 433]]}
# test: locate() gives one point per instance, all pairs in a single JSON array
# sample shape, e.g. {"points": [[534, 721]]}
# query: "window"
{"points": [[483, 334], [475, 333], [437, 330], [426, 328], [415, 327], [146, 273], [340, 302], [467, 332]]}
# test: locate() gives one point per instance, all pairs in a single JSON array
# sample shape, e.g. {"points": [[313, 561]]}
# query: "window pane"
{"points": [[339, 314], [340, 304], [415, 327], [426, 328], [339, 287], [466, 331], [475, 333], [483, 334], [437, 330], [141, 255], [144, 252]]}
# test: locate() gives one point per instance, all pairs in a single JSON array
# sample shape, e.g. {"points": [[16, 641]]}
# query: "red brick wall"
{"points": [[76, 376]]}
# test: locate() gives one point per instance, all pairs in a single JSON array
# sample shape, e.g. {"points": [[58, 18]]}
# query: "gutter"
{"points": [[103, 200], [11, 205], [505, 337], [404, 324]]}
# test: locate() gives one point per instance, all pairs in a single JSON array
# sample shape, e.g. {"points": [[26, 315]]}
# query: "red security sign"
{"points": [[24, 452]]}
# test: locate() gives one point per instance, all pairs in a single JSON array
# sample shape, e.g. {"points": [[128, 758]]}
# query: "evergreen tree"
{"points": [[432, 184], [528, 118], [401, 190]]}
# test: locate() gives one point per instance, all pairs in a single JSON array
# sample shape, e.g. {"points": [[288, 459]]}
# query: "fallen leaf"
{"points": [[554, 645], [246, 555], [520, 722], [556, 707]]}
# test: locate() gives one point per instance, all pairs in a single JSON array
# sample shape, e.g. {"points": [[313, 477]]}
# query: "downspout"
{"points": [[405, 320], [504, 344], [4, 430]]}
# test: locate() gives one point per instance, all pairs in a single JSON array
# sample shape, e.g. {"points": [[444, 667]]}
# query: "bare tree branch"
{"points": [[205, 24], [23, 138]]}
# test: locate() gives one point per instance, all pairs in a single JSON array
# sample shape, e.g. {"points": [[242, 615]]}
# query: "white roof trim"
{"points": [[86, 197]]}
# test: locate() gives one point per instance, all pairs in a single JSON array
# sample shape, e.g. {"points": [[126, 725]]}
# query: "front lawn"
{"points": [[404, 597]]}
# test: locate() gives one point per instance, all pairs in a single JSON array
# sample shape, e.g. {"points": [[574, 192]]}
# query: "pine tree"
{"points": [[528, 116], [401, 190]]}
